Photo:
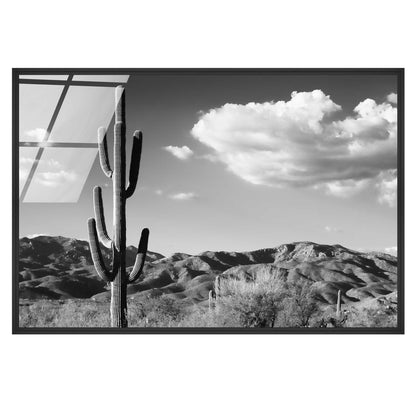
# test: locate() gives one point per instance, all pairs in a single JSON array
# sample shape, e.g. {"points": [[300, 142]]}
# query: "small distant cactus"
{"points": [[339, 304], [96, 226], [217, 287], [210, 299]]}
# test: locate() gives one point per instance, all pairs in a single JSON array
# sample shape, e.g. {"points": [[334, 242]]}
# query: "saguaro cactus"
{"points": [[339, 304], [217, 287], [117, 276], [210, 299]]}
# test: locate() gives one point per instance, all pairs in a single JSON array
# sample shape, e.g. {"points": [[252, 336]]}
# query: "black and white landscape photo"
{"points": [[212, 200]]}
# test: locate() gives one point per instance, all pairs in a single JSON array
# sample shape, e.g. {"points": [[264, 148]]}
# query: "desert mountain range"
{"points": [[61, 268]]}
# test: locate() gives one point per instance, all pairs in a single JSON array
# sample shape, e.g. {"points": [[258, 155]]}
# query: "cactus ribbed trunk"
{"points": [[118, 276], [118, 305], [118, 308]]}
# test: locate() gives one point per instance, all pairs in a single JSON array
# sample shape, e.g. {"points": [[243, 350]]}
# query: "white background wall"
{"points": [[201, 375]]}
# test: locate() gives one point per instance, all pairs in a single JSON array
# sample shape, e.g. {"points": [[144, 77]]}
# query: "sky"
{"points": [[229, 162]]}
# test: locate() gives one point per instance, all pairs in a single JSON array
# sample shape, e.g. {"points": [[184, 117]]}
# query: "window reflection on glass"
{"points": [[60, 175], [26, 158], [36, 106], [102, 78], [84, 110], [47, 77]]}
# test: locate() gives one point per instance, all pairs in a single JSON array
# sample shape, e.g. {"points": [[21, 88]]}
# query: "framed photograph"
{"points": [[208, 201]]}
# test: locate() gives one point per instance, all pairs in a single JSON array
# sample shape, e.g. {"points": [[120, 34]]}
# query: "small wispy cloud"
{"points": [[210, 157], [54, 174], [159, 192], [330, 229], [25, 160], [54, 179], [183, 196], [35, 235], [391, 250], [25, 164], [345, 188], [36, 135], [52, 163], [23, 172], [46, 163], [387, 188], [182, 153], [392, 98]]}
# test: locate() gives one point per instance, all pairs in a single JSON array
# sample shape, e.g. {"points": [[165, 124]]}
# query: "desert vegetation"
{"points": [[296, 285], [265, 303]]}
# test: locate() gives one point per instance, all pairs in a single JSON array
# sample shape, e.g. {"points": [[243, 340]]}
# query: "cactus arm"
{"points": [[103, 151], [140, 256], [99, 217], [96, 255], [135, 163]]}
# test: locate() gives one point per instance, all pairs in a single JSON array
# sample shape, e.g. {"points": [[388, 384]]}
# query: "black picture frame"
{"points": [[398, 72]]}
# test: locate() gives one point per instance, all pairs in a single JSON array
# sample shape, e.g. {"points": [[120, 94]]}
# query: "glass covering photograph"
{"points": [[208, 200]]}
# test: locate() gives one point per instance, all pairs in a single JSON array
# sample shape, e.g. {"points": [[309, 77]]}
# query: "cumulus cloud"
{"points": [[36, 135], [299, 142], [183, 196], [182, 153], [392, 98]]}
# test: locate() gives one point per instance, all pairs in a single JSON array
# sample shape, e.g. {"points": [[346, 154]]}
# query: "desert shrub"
{"points": [[199, 317], [168, 307], [202, 317], [252, 303], [329, 319], [382, 314], [158, 311], [372, 318], [84, 314], [64, 314], [299, 306]]}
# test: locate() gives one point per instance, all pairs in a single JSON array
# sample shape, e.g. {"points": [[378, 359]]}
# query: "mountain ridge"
{"points": [[56, 267]]}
